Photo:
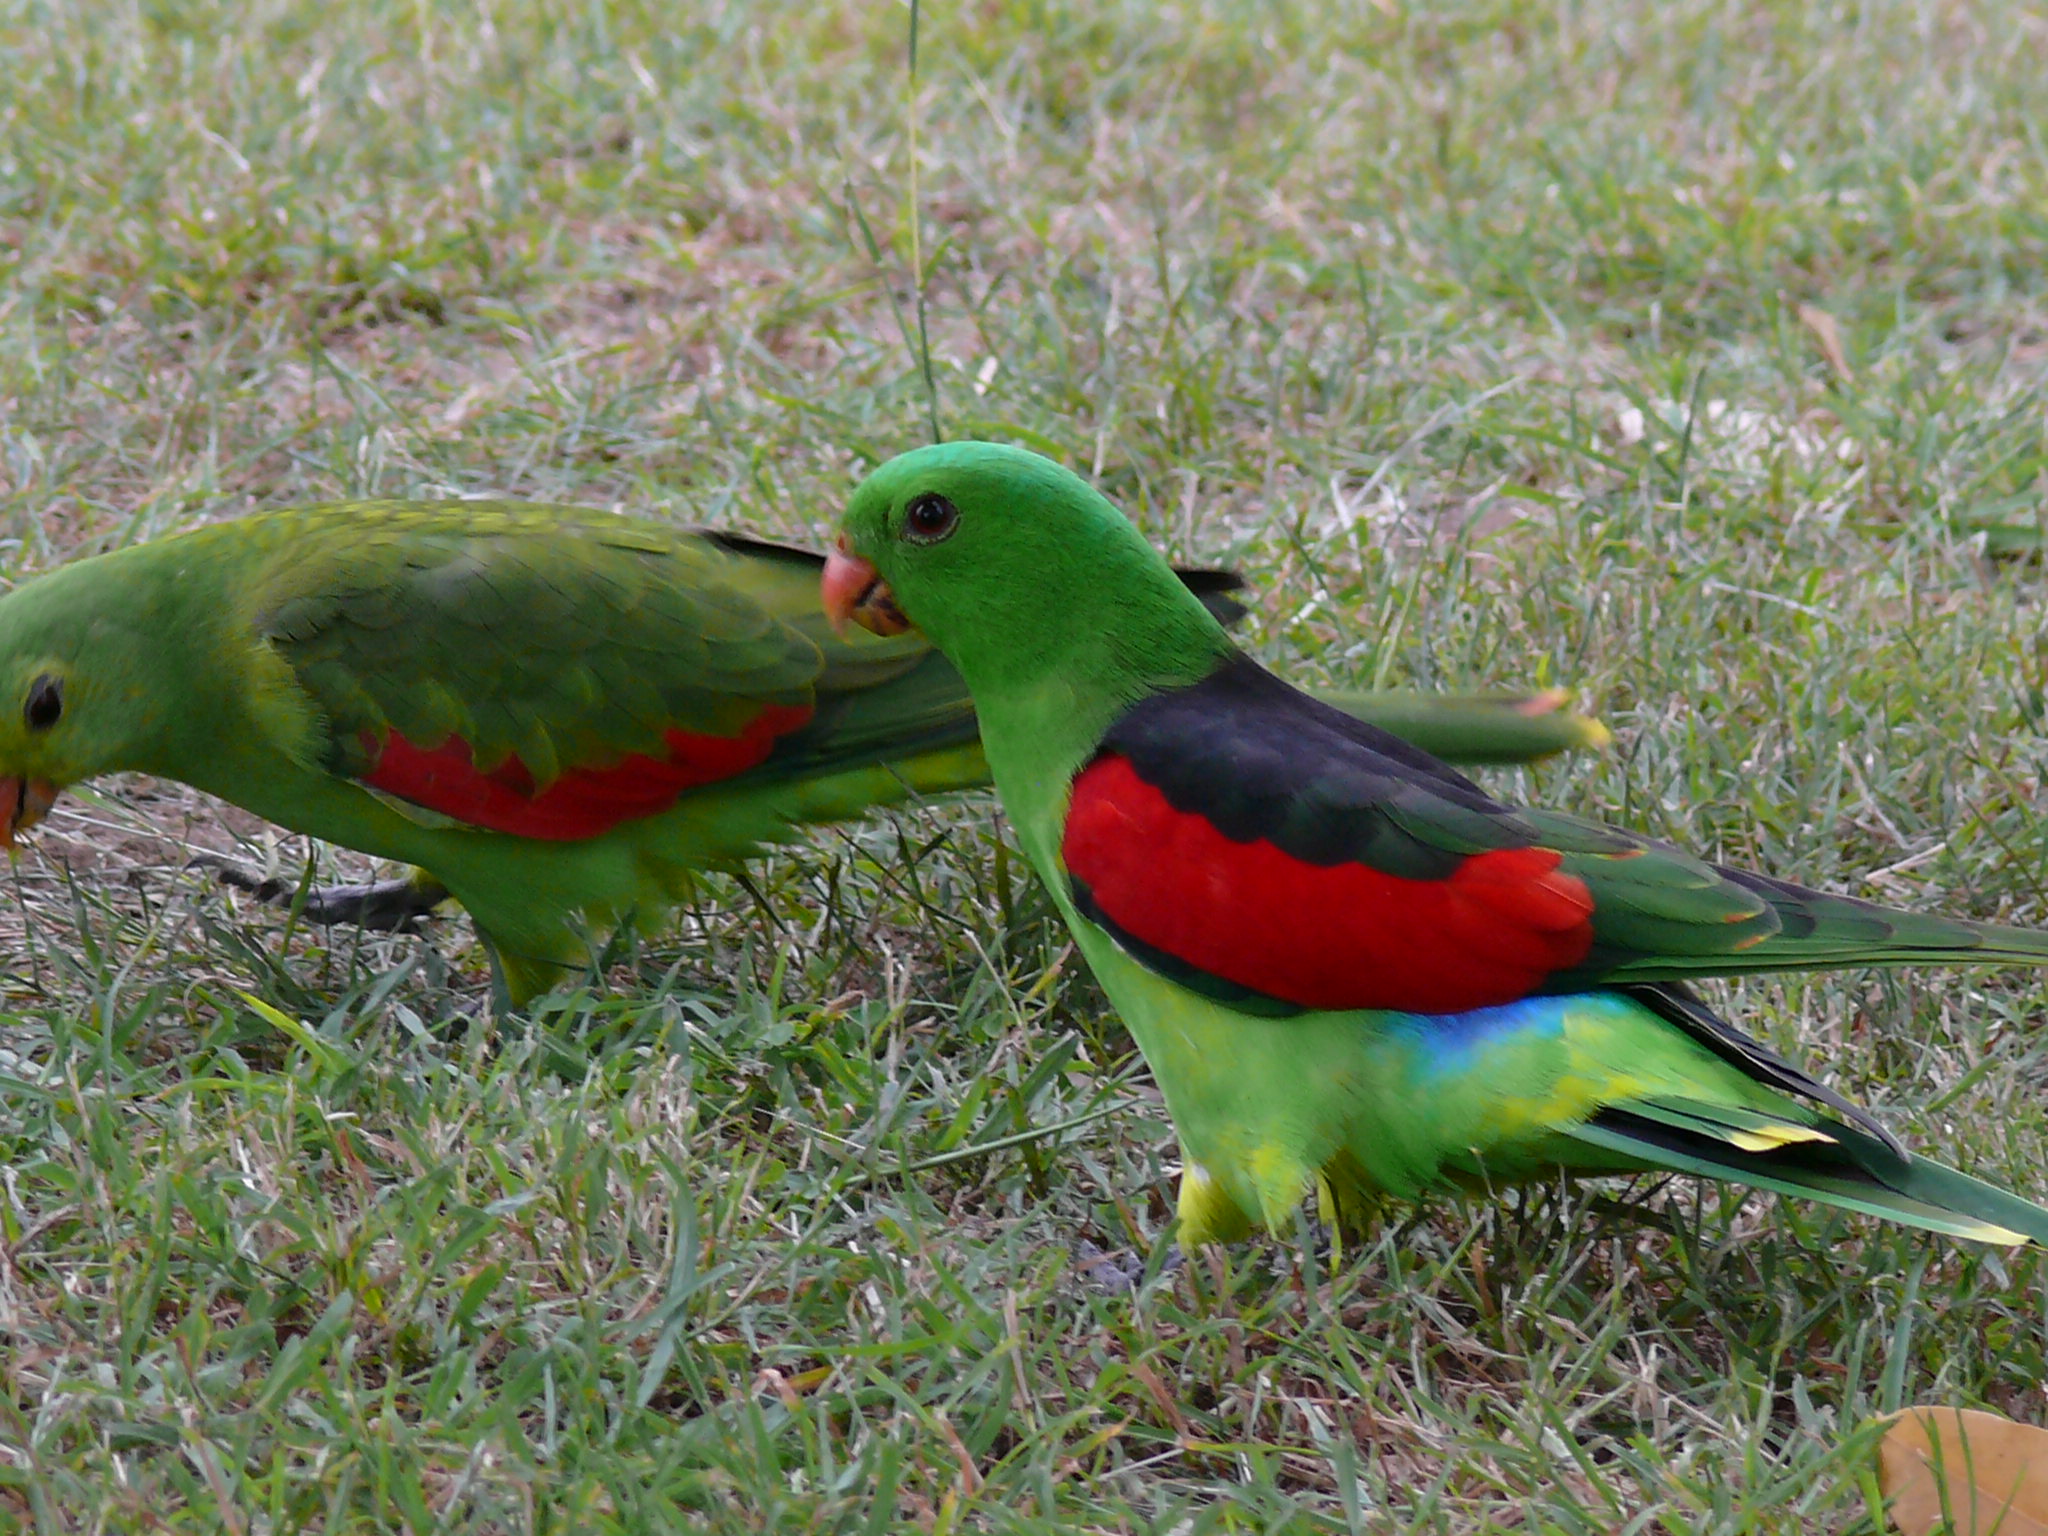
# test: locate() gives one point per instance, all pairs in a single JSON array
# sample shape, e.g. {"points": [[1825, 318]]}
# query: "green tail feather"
{"points": [[924, 710], [1477, 729], [1852, 1170]]}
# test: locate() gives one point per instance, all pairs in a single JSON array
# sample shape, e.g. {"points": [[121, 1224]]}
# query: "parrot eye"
{"points": [[930, 518], [45, 704]]}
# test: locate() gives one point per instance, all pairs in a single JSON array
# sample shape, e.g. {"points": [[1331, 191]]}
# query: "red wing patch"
{"points": [[581, 802], [1321, 936]]}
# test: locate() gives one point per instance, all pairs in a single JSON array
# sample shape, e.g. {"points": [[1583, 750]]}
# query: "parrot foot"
{"points": [[383, 906], [1117, 1273]]}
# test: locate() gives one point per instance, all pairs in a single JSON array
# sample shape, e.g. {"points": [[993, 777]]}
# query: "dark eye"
{"points": [[930, 518], [45, 704]]}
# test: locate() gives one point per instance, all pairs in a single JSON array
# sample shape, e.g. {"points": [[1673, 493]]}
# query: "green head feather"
{"points": [[89, 670], [1034, 578]]}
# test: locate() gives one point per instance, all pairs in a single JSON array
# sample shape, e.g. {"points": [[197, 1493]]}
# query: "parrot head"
{"points": [[27, 793], [66, 642], [1013, 566]]}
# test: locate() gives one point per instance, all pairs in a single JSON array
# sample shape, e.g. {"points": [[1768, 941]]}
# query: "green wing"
{"points": [[605, 661]]}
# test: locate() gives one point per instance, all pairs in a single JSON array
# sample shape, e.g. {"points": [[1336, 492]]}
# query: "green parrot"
{"points": [[1352, 971], [553, 713]]}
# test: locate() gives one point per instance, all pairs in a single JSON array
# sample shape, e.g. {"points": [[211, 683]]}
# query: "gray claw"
{"points": [[383, 906]]}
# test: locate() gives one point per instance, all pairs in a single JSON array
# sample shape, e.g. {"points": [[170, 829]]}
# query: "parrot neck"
{"points": [[1046, 705]]}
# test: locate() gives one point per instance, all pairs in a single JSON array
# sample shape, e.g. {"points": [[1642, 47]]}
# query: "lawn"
{"points": [[1687, 353]]}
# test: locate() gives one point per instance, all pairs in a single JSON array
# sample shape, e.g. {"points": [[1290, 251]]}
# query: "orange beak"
{"points": [[853, 589], [23, 803]]}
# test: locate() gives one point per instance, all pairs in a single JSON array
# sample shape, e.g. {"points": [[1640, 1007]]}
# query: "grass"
{"points": [[1473, 333]]}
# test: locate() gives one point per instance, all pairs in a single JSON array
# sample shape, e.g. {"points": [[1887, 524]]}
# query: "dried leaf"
{"points": [[1829, 335], [1961, 1471]]}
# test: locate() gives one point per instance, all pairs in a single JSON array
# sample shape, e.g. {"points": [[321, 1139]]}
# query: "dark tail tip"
{"points": [[1214, 587]]}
